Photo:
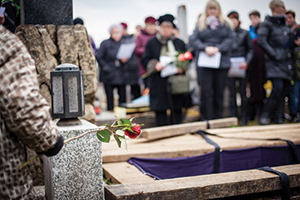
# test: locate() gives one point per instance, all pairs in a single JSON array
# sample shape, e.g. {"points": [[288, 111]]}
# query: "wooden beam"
{"points": [[206, 186], [123, 172], [179, 129], [250, 129], [191, 145]]}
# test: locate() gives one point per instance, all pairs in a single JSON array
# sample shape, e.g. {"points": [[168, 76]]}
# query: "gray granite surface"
{"points": [[55, 12], [76, 172]]}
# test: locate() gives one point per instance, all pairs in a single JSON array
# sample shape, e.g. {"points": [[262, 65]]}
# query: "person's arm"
{"points": [[102, 57], [250, 51], [139, 48], [195, 42], [297, 42], [2, 19], [250, 48], [148, 61], [93, 45], [226, 43], [24, 110], [264, 35]]}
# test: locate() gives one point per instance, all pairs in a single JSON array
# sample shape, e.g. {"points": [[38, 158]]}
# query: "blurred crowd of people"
{"points": [[270, 63], [270, 55]]}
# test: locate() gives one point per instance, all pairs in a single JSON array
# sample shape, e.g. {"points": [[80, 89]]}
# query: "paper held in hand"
{"points": [[125, 51], [2, 10], [235, 71], [170, 67], [209, 61]]}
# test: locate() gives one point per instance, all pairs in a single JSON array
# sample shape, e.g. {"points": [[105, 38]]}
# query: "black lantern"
{"points": [[67, 94]]}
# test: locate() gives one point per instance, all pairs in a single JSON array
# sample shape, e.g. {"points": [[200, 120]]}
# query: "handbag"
{"points": [[179, 84]]}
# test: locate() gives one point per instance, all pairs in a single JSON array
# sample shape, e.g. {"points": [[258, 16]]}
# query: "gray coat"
{"points": [[242, 45], [222, 38], [272, 35]]}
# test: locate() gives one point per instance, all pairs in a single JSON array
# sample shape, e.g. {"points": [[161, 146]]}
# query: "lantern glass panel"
{"points": [[73, 93], [58, 102], [82, 95]]}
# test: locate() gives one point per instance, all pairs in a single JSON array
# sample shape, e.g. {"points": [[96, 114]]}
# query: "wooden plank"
{"points": [[123, 172], [179, 129], [191, 145], [206, 186], [248, 129]]}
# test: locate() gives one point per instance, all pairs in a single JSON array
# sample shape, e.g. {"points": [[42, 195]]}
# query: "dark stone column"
{"points": [[57, 12]]}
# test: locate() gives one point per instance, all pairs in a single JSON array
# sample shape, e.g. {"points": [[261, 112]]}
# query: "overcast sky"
{"points": [[98, 15]]}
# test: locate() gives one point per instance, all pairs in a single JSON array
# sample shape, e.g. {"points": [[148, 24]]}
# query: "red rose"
{"points": [[136, 130], [188, 55], [181, 57]]}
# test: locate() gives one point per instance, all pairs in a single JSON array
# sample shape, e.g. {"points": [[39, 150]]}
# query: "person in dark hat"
{"points": [[242, 46], [164, 44], [80, 21]]}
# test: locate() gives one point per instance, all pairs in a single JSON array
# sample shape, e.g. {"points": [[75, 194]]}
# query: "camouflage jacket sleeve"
{"points": [[24, 110]]}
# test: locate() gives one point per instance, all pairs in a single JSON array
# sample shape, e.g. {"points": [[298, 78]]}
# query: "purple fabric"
{"points": [[230, 160]]}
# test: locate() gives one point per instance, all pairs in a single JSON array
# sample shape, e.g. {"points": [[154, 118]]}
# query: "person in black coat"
{"points": [[272, 35], [131, 67], [242, 46], [111, 68], [159, 99], [212, 34]]}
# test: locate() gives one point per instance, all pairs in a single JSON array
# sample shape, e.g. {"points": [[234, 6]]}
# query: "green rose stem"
{"points": [[113, 126]]}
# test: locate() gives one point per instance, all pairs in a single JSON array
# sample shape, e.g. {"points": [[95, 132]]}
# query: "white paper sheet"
{"points": [[209, 61], [125, 51], [170, 67], [2, 10], [235, 71]]}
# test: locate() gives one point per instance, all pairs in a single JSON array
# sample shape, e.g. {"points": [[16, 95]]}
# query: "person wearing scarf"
{"points": [[163, 44], [212, 34]]}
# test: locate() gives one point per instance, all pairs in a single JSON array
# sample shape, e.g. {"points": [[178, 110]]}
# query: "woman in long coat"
{"points": [[272, 36], [213, 34], [159, 99], [111, 68]]}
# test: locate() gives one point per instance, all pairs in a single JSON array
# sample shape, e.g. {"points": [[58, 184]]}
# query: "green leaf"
{"points": [[118, 140], [132, 119], [103, 136], [120, 133], [123, 140], [124, 122]]}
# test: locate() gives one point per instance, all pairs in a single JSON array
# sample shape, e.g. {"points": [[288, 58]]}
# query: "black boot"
{"points": [[279, 113], [244, 113], [264, 118], [267, 109]]}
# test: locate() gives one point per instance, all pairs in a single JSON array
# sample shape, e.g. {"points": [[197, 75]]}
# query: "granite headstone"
{"points": [[41, 12], [76, 171]]}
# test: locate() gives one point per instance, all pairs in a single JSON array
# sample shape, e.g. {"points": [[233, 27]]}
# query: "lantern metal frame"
{"points": [[66, 71]]}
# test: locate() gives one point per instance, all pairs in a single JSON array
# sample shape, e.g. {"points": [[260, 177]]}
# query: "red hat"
{"points": [[124, 25], [150, 20]]}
